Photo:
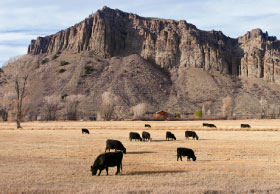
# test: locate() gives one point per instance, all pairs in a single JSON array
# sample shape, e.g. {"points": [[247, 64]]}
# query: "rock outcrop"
{"points": [[167, 43], [261, 56]]}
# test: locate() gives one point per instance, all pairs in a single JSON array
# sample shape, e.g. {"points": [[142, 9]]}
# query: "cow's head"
{"points": [[194, 158], [93, 170], [196, 137], [124, 150]]}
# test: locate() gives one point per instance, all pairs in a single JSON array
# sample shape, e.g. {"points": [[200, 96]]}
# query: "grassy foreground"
{"points": [[55, 157]]}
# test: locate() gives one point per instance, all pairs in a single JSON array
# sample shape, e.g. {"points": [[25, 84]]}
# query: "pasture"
{"points": [[55, 157]]}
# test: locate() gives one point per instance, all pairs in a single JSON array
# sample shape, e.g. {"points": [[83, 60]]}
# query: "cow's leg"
{"points": [[107, 170], [177, 157], [118, 169], [121, 166], [181, 157], [99, 172]]}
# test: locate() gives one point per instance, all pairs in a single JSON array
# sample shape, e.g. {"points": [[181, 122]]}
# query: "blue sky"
{"points": [[23, 20]]}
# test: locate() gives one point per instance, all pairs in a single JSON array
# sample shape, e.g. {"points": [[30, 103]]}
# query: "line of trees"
{"points": [[70, 104]]}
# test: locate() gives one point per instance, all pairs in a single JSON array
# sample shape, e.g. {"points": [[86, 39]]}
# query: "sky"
{"points": [[24, 20]]}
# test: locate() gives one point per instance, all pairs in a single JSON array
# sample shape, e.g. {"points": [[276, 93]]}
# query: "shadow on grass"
{"points": [[144, 152], [158, 140], [155, 172], [198, 139]]}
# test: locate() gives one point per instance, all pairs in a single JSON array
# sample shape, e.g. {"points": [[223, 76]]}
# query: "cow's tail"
{"points": [[121, 166]]}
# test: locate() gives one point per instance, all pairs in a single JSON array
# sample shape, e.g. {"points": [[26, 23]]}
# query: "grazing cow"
{"points": [[185, 152], [208, 125], [205, 124], [191, 134], [106, 160], [245, 126], [85, 131], [134, 135], [146, 136], [170, 135], [114, 144], [211, 125], [148, 125]]}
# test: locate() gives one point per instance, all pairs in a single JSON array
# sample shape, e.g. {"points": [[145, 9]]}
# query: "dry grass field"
{"points": [[55, 157]]}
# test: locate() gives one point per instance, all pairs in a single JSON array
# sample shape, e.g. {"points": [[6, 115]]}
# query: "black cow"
{"points": [[191, 134], [185, 152], [85, 131], [114, 144], [208, 125], [205, 124], [245, 126], [146, 136], [170, 135], [211, 125], [106, 160], [134, 135], [148, 125]]}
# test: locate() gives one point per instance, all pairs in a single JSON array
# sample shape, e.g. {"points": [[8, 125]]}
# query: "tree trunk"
{"points": [[18, 121]]}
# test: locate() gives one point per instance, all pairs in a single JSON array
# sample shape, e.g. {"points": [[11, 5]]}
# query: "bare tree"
{"points": [[71, 105], [20, 87], [3, 111], [7, 103], [203, 110], [264, 104], [139, 110], [108, 105], [18, 74], [274, 109], [52, 103], [227, 107]]}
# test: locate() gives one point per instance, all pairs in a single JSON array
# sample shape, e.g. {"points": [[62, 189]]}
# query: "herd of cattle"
{"points": [[111, 159]]}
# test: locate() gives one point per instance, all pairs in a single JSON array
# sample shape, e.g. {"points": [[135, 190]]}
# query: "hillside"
{"points": [[170, 65]]}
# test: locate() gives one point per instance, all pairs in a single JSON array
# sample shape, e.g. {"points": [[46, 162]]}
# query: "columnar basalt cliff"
{"points": [[261, 56], [167, 43]]}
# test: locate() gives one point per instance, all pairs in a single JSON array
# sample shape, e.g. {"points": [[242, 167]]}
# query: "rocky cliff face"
{"points": [[261, 56], [167, 43]]}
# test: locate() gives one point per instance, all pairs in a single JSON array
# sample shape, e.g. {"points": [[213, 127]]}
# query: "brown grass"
{"points": [[58, 161]]}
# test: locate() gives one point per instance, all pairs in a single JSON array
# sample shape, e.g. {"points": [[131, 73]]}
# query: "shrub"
{"points": [[88, 70], [61, 71], [139, 110], [108, 105], [45, 60], [63, 63], [227, 107], [198, 114], [64, 96], [54, 57], [177, 115]]}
